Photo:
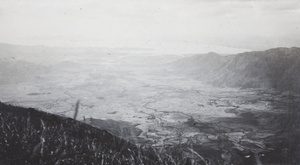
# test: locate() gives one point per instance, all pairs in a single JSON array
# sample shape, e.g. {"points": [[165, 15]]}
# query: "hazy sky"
{"points": [[247, 24]]}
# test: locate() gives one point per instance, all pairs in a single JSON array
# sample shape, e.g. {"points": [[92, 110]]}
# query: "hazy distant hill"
{"points": [[16, 71], [37, 54], [277, 68], [27, 63]]}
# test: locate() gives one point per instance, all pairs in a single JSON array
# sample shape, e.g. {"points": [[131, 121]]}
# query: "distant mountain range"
{"points": [[277, 68]]}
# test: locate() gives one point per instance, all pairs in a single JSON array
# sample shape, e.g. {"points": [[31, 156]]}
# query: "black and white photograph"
{"points": [[150, 82]]}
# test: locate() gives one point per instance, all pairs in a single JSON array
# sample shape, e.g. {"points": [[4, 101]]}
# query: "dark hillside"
{"points": [[29, 136], [276, 68]]}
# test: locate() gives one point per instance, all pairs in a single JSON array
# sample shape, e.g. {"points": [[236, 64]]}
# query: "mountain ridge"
{"points": [[276, 68]]}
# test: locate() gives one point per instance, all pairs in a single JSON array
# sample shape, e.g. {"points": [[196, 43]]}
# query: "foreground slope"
{"points": [[29, 136]]}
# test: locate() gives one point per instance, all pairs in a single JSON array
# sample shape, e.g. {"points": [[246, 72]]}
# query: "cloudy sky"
{"points": [[245, 24]]}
